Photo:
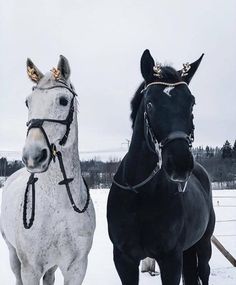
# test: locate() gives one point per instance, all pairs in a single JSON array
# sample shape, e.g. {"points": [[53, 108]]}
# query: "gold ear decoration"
{"points": [[56, 73], [185, 69], [157, 70], [32, 74]]}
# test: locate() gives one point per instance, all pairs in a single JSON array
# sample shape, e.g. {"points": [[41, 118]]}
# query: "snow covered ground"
{"points": [[101, 268]]}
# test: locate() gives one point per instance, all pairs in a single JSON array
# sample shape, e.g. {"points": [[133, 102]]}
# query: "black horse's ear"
{"points": [[33, 72], [64, 67], [188, 71], [147, 64]]}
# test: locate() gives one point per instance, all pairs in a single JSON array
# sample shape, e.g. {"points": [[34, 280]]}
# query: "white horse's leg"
{"points": [[15, 263], [29, 275], [74, 275], [49, 276]]}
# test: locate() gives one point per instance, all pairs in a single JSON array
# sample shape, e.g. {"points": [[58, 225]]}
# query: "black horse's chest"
{"points": [[147, 224], [161, 223]]}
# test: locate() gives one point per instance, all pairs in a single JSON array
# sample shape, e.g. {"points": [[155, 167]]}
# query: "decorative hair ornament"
{"points": [[32, 74], [185, 69], [56, 73], [157, 70]]}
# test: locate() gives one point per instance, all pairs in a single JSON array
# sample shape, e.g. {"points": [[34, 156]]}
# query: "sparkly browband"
{"points": [[165, 84]]}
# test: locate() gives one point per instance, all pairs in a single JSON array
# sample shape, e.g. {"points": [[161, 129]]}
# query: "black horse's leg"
{"points": [[204, 254], [171, 268], [204, 251], [190, 267], [127, 268]]}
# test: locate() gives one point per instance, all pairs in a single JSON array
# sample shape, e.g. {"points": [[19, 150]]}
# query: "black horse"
{"points": [[160, 202]]}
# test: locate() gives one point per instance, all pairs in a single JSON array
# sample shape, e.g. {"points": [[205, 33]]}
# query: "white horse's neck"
{"points": [[49, 180], [70, 154]]}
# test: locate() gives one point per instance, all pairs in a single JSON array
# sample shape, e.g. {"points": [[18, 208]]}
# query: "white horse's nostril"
{"points": [[34, 157], [42, 155]]}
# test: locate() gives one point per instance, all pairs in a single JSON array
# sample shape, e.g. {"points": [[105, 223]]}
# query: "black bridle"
{"points": [[176, 135], [38, 123], [156, 146]]}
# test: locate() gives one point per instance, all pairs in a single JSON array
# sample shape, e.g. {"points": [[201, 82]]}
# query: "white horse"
{"points": [[46, 224]]}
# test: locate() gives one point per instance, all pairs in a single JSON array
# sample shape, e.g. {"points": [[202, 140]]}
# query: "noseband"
{"points": [[157, 147], [38, 123]]}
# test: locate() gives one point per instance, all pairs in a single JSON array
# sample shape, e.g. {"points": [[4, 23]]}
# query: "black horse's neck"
{"points": [[139, 161]]}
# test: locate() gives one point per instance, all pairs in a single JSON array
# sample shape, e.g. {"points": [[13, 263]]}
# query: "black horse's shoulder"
{"points": [[201, 174]]}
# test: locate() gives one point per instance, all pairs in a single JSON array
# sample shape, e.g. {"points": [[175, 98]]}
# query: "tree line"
{"points": [[220, 162]]}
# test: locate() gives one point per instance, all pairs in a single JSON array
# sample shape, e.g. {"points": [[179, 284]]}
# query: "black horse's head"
{"points": [[168, 117]]}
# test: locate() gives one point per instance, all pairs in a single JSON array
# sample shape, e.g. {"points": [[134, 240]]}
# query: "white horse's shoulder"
{"points": [[20, 175]]}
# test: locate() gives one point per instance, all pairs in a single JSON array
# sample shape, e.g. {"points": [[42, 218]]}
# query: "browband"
{"points": [[165, 84]]}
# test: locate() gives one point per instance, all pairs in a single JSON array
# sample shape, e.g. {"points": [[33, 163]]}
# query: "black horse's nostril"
{"points": [[180, 177], [41, 156]]}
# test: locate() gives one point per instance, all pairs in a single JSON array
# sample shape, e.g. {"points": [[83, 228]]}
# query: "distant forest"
{"points": [[220, 162]]}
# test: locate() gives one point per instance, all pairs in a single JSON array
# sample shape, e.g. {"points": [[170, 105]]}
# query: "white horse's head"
{"points": [[51, 111]]}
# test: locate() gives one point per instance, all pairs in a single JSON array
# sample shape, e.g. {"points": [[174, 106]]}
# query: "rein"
{"points": [[133, 188], [158, 146], [38, 123]]}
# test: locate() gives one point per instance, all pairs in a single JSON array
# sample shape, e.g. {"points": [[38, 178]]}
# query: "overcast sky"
{"points": [[103, 41]]}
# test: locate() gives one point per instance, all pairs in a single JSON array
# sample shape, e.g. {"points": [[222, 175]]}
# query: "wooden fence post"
{"points": [[221, 248]]}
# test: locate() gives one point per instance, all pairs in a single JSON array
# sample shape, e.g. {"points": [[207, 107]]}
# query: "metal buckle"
{"points": [[54, 152]]}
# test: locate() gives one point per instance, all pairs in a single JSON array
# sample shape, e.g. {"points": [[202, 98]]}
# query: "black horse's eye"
{"points": [[63, 101], [149, 106], [26, 103]]}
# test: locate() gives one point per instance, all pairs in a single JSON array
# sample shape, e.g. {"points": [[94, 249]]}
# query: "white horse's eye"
{"points": [[26, 103], [63, 101]]}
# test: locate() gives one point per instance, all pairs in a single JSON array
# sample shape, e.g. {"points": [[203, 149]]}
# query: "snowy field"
{"points": [[101, 268]]}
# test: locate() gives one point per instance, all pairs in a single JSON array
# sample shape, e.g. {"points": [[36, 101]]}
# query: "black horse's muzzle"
{"points": [[177, 158]]}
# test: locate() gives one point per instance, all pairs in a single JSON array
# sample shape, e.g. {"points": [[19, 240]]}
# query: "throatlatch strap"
{"points": [[66, 182], [134, 187]]}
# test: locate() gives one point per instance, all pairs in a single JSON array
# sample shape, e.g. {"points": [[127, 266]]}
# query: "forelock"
{"points": [[168, 75], [48, 80]]}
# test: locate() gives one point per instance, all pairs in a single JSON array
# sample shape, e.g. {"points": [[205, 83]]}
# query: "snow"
{"points": [[101, 267]]}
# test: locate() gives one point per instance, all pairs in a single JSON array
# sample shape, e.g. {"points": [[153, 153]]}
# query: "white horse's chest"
{"points": [[57, 229]]}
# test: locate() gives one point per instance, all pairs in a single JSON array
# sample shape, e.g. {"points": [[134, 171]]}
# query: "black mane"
{"points": [[169, 75]]}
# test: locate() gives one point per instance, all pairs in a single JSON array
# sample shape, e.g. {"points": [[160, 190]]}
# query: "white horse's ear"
{"points": [[33, 72], [64, 67]]}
